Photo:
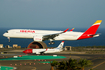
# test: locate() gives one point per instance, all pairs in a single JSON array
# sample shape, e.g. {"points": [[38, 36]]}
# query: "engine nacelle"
{"points": [[37, 53], [37, 38]]}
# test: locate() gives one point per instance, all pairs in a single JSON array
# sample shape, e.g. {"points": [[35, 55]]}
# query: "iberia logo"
{"points": [[27, 31]]}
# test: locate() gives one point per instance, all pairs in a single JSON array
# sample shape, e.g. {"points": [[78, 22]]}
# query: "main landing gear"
{"points": [[51, 42]]}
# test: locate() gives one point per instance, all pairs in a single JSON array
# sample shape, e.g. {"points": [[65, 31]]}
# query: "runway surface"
{"points": [[44, 64], [34, 57]]}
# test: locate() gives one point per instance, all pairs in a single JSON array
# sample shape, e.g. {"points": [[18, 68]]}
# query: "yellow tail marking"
{"points": [[98, 21]]}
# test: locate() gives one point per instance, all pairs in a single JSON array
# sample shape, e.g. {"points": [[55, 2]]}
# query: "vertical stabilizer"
{"points": [[60, 45], [91, 31]]}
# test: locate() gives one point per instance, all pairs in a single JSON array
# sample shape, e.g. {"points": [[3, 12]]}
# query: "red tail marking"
{"points": [[90, 32]]}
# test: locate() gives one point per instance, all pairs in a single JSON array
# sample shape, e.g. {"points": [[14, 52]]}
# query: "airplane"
{"points": [[42, 35], [41, 51]]}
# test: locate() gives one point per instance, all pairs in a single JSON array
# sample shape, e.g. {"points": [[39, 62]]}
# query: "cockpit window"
{"points": [[6, 31]]}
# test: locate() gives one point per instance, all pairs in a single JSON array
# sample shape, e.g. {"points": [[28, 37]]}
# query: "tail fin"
{"points": [[91, 31], [60, 45]]}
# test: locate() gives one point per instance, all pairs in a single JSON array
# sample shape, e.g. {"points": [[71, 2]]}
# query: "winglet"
{"points": [[66, 30], [72, 29]]}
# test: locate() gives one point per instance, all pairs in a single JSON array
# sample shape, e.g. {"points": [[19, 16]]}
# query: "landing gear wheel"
{"points": [[51, 43], [42, 54]]}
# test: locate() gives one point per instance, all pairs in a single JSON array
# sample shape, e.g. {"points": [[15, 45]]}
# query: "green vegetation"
{"points": [[89, 49], [84, 48], [71, 64], [54, 64], [84, 63], [93, 46]]}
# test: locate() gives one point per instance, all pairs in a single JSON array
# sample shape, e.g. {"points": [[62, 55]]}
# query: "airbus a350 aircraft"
{"points": [[42, 35], [40, 51]]}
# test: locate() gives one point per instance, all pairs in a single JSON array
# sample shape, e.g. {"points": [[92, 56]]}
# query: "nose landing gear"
{"points": [[8, 38]]}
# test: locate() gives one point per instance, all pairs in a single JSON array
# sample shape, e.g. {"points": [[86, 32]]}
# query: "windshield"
{"points": [[6, 31]]}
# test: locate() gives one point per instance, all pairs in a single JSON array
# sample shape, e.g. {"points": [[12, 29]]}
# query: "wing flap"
{"points": [[52, 36]]}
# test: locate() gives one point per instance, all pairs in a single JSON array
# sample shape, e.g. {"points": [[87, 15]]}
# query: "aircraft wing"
{"points": [[52, 36]]}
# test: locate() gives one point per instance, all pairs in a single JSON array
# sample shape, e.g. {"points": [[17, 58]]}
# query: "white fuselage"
{"points": [[46, 50], [42, 35], [24, 33], [40, 51]]}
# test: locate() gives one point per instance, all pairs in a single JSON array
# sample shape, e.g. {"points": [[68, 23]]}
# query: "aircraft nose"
{"points": [[24, 52], [5, 34], [27, 51]]}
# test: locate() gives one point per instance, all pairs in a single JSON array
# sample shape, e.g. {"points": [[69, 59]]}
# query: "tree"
{"points": [[84, 63], [62, 65], [71, 64], [53, 64]]}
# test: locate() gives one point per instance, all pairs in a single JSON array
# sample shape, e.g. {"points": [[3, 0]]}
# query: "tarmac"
{"points": [[43, 63], [32, 57]]}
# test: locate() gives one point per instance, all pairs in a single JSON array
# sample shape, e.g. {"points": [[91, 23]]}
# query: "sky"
{"points": [[51, 13]]}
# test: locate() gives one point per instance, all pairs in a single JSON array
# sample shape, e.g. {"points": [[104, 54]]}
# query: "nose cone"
{"points": [[23, 51], [5, 34], [27, 51]]}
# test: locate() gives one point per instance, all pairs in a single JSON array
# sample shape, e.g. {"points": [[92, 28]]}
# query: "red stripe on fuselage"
{"points": [[27, 51]]}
